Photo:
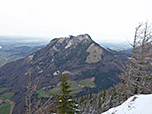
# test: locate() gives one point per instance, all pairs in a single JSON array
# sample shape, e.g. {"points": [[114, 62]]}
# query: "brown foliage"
{"points": [[33, 104]]}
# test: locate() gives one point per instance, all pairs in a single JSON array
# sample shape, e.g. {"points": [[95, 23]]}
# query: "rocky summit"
{"points": [[82, 59]]}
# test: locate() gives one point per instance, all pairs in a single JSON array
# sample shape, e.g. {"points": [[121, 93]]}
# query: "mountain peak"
{"points": [[81, 44], [78, 37], [78, 56], [82, 36], [71, 41], [75, 40]]}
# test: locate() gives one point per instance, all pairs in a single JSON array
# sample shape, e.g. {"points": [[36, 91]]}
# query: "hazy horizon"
{"points": [[105, 21], [47, 39]]}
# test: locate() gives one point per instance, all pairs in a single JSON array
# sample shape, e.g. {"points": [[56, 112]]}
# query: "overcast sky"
{"points": [[103, 20]]}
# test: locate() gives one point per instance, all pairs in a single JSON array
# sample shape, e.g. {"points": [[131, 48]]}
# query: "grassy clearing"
{"points": [[3, 63], [41, 93], [7, 95], [7, 54], [4, 54], [87, 83], [76, 87], [3, 89], [76, 90], [5, 108], [55, 91]]}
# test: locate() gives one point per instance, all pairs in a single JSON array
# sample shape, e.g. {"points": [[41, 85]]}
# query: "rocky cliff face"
{"points": [[78, 56]]}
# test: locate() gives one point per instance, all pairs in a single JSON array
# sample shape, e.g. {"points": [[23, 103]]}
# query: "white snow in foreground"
{"points": [[138, 104]]}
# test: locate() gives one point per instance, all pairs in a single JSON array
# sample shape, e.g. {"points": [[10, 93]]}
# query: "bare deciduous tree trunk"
{"points": [[138, 73], [33, 104]]}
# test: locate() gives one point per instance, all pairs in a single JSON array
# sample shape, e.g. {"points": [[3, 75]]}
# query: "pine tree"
{"points": [[65, 103]]}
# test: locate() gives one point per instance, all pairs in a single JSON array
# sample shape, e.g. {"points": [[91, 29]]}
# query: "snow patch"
{"points": [[0, 47], [56, 73], [138, 104], [66, 72]]}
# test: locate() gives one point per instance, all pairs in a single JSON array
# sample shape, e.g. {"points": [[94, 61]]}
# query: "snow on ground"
{"points": [[138, 104]]}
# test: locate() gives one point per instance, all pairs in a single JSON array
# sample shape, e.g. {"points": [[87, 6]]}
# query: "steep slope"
{"points": [[79, 57], [138, 104]]}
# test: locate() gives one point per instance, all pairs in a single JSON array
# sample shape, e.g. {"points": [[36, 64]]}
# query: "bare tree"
{"points": [[138, 73], [33, 104]]}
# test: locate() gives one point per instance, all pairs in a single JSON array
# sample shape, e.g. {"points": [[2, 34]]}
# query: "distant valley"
{"points": [[116, 46], [12, 49], [15, 53]]}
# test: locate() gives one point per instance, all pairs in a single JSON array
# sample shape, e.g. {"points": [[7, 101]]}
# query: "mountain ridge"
{"points": [[79, 56]]}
